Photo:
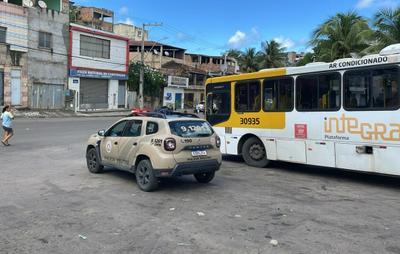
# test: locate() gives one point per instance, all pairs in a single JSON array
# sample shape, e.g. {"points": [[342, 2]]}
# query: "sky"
{"points": [[214, 26]]}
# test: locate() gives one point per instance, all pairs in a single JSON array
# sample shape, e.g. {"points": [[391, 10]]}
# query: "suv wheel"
{"points": [[254, 153], [204, 177], [93, 162], [145, 177]]}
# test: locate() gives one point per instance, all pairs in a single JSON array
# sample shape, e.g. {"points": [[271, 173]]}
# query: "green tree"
{"points": [[234, 53], [387, 24], [308, 58], [249, 60], [153, 80], [341, 35], [272, 55]]}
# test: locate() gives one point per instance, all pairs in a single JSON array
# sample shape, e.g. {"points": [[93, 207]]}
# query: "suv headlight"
{"points": [[169, 144]]}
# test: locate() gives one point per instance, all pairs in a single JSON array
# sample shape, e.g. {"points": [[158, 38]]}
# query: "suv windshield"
{"points": [[190, 128]]}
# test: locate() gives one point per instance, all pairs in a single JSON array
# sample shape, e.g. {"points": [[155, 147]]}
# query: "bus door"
{"points": [[218, 109]]}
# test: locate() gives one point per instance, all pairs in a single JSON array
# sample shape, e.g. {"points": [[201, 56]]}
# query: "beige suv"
{"points": [[156, 146]]}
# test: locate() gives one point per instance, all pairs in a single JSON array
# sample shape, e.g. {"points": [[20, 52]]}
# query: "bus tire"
{"points": [[254, 154]]}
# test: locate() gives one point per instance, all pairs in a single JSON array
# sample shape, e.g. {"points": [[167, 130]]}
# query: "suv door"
{"points": [[129, 143], [109, 146]]}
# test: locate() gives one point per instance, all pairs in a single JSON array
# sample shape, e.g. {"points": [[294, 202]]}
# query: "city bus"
{"points": [[343, 114]]}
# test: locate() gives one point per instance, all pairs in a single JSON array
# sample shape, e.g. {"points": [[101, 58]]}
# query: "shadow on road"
{"points": [[170, 184], [387, 181]]}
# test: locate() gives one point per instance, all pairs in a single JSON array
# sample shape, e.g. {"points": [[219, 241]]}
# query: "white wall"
{"points": [[118, 54], [113, 94]]}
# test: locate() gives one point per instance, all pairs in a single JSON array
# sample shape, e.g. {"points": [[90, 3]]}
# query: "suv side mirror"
{"points": [[101, 133]]}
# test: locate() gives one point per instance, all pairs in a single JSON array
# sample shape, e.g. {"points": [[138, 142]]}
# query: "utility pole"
{"points": [[141, 79]]}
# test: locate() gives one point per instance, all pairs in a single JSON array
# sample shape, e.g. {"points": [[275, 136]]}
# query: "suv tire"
{"points": [[145, 177], [93, 162], [254, 153], [204, 177]]}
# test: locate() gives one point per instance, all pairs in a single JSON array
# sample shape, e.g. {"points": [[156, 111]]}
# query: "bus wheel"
{"points": [[254, 153]]}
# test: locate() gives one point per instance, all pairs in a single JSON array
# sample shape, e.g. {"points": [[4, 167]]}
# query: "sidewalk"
{"points": [[67, 113]]}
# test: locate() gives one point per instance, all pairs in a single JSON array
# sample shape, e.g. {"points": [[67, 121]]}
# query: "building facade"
{"points": [[48, 55], [134, 33], [13, 54], [98, 68], [97, 18]]}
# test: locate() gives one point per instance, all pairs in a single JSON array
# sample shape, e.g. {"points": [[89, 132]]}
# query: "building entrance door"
{"points": [[121, 94], [178, 101], [15, 87]]}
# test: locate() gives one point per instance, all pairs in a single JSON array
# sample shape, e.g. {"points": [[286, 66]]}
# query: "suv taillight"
{"points": [[218, 142], [169, 144]]}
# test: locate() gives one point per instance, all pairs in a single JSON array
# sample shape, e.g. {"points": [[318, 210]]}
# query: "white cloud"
{"points": [[238, 40], [362, 4], [285, 42], [123, 10], [127, 21]]}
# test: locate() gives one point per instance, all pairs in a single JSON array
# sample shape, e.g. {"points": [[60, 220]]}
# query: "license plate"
{"points": [[199, 153]]}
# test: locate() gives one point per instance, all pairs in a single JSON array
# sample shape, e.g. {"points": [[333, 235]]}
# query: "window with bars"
{"points": [[45, 40], [3, 34], [94, 47]]}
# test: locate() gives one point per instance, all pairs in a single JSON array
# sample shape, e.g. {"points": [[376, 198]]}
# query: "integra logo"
{"points": [[367, 131], [358, 62]]}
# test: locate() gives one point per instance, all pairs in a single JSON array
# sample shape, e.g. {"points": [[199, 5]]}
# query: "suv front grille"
{"points": [[197, 147]]}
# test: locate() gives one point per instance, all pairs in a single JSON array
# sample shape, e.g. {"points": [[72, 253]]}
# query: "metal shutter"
{"points": [[93, 93]]}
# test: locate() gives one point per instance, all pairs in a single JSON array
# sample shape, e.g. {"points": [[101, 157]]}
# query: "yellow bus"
{"points": [[343, 114]]}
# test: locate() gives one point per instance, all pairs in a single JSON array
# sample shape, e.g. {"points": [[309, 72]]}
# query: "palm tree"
{"points": [[341, 35], [248, 60], [272, 54], [387, 23]]}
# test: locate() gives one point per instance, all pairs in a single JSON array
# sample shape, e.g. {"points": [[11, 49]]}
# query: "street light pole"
{"points": [[141, 78]]}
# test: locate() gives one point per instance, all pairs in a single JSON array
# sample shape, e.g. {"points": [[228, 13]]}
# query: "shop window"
{"points": [[94, 47], [3, 34], [45, 40]]}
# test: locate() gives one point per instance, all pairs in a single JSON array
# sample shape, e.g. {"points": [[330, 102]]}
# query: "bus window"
{"points": [[320, 92], [218, 104], [278, 95], [372, 89], [248, 96]]}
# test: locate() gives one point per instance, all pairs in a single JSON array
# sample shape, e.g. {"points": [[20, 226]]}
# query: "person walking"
{"points": [[7, 117]]}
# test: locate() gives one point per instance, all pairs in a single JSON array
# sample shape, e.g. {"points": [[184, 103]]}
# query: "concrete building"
{"points": [[188, 71], [13, 54], [156, 54], [98, 68], [97, 18], [134, 33], [212, 65], [48, 54], [293, 57]]}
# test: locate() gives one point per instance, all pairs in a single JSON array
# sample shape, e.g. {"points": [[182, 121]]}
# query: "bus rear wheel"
{"points": [[254, 153]]}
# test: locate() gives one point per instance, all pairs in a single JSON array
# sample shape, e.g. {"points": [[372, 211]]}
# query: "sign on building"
{"points": [[180, 82]]}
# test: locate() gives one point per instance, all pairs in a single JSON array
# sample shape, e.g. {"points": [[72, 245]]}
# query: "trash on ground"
{"points": [[172, 209], [273, 242], [238, 216], [183, 244], [83, 237], [200, 214]]}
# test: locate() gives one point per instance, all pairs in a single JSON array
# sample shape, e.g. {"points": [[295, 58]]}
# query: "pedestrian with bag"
{"points": [[7, 117]]}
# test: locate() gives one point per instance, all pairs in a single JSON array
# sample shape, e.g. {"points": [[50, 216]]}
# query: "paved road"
{"points": [[48, 198]]}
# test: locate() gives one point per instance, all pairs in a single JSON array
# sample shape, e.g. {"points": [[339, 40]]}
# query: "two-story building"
{"points": [[98, 68], [13, 54]]}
